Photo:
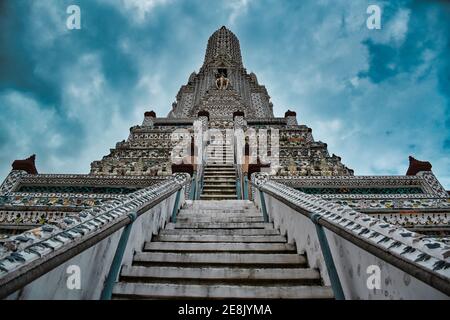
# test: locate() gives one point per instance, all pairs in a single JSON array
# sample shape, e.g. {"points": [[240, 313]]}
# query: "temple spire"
{"points": [[223, 48]]}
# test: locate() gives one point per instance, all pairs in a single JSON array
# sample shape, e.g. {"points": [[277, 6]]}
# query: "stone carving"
{"points": [[222, 83]]}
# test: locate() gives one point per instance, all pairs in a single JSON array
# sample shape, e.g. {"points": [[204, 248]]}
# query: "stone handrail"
{"points": [[426, 259], [28, 256]]}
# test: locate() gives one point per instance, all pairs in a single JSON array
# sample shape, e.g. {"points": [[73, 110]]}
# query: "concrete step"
{"points": [[221, 232], [222, 189], [221, 154], [226, 212], [217, 197], [219, 213], [177, 291], [185, 218], [212, 185], [215, 258], [219, 180], [219, 191], [219, 246], [220, 274], [219, 162], [219, 166], [238, 205], [231, 172], [226, 225], [217, 238], [234, 203], [220, 157], [221, 176]]}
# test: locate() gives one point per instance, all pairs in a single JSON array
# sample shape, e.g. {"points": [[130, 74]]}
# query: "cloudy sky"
{"points": [[375, 96]]}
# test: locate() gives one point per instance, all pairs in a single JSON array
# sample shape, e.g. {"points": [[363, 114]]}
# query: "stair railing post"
{"points": [[238, 188], [193, 186], [263, 206], [245, 187], [175, 206], [331, 268], [117, 260]]}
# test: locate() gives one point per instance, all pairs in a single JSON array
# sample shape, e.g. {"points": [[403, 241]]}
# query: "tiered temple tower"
{"points": [[229, 97]]}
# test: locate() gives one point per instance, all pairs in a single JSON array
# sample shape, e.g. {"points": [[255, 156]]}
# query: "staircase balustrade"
{"points": [[411, 265], [37, 264]]}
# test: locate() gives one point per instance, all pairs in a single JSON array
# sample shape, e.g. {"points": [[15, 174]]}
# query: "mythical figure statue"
{"points": [[222, 82]]}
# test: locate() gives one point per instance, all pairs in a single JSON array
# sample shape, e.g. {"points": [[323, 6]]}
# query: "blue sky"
{"points": [[375, 96]]}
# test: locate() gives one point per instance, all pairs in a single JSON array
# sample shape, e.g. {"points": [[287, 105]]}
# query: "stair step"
{"points": [[217, 238], [226, 225], [205, 219], [222, 274], [218, 246], [220, 166], [214, 213], [220, 186], [231, 203], [230, 181], [221, 232], [164, 290], [209, 173], [217, 197], [227, 258], [219, 160], [221, 190]]}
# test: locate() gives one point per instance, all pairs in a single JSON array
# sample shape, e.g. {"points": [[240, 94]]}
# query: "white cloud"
{"points": [[47, 22], [399, 26], [394, 30], [237, 8], [137, 11]]}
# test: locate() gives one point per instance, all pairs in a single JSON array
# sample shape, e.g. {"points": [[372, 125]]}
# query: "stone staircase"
{"points": [[219, 178], [219, 250], [219, 182]]}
